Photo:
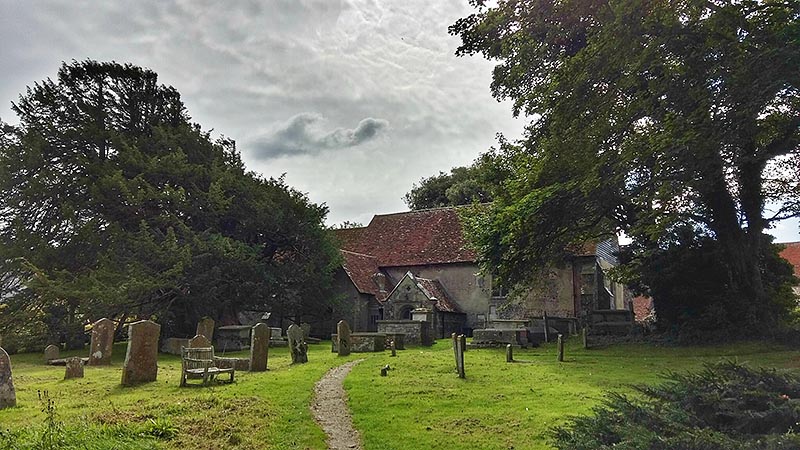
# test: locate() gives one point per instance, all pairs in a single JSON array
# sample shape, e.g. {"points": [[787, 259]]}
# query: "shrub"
{"points": [[726, 406]]}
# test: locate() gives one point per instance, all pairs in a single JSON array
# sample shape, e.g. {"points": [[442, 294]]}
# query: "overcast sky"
{"points": [[354, 100]]}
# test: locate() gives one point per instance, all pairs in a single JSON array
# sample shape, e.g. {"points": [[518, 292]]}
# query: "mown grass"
{"points": [[420, 405]]}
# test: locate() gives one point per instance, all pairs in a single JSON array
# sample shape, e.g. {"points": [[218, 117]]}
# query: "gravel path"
{"points": [[331, 412]]}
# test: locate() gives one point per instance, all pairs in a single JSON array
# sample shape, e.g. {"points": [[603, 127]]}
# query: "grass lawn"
{"points": [[420, 405]]}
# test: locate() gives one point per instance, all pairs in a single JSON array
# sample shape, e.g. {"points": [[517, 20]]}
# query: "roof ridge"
{"points": [[359, 254]]}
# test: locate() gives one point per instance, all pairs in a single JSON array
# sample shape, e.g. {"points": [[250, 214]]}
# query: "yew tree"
{"points": [[647, 117]]}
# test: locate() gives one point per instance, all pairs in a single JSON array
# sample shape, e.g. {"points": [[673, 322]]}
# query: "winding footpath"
{"points": [[331, 412]]}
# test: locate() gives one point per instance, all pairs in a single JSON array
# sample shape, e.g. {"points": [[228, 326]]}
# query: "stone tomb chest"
{"points": [[362, 342], [233, 338]]}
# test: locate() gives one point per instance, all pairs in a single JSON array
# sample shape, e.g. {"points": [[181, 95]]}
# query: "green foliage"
{"points": [[648, 118], [113, 204], [726, 406], [462, 186]]}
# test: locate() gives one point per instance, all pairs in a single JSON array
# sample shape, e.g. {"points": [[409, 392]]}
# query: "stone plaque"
{"points": [[205, 327], [8, 397], [102, 343], [297, 345], [141, 360], [74, 368], [343, 338], [259, 347], [50, 352], [199, 341]]}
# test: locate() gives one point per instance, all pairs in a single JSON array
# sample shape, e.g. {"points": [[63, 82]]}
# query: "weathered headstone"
{"points": [[102, 343], [454, 337], [74, 368], [343, 336], [8, 397], [306, 327], [461, 344], [297, 345], [50, 352], [585, 338], [560, 348], [199, 341], [141, 360], [394, 348], [509, 353], [205, 327], [259, 347], [546, 327]]}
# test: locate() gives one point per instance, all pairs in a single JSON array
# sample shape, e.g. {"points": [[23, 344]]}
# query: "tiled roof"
{"points": [[432, 236], [361, 269], [792, 254], [434, 289]]}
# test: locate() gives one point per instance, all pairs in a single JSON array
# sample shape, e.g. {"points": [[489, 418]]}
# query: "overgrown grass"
{"points": [[420, 405]]}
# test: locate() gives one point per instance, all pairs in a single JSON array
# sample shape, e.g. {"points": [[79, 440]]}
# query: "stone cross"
{"points": [[74, 368], [461, 344], [560, 348], [141, 360], [102, 343], [509, 353], [199, 341], [297, 345], [343, 335], [205, 327], [8, 396], [259, 347], [50, 352]]}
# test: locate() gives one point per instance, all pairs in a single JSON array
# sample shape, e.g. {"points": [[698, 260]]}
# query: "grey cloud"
{"points": [[304, 134]]}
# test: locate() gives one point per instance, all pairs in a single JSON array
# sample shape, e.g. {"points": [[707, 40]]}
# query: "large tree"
{"points": [[112, 203], [648, 117]]}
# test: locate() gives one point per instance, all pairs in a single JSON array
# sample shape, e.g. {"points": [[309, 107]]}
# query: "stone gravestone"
{"points": [[306, 327], [454, 337], [102, 343], [394, 348], [141, 360], [259, 347], [343, 335], [205, 327], [560, 348], [461, 344], [50, 352], [74, 368], [509, 353], [8, 396], [199, 341], [297, 345]]}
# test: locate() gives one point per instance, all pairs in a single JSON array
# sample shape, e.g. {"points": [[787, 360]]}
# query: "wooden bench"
{"points": [[199, 363]]}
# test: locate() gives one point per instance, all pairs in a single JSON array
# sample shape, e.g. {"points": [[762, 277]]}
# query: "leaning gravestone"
{"points": [[343, 336], [205, 327], [259, 347], [102, 343], [74, 368], [199, 341], [297, 345], [8, 396], [50, 352], [141, 360]]}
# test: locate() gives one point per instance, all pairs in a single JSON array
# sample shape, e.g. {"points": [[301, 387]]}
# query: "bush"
{"points": [[726, 406]]}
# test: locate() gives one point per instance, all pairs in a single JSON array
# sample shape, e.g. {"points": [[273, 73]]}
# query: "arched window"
{"points": [[405, 313]]}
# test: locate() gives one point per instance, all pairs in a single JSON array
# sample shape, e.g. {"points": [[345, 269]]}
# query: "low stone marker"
{"points": [[50, 353], [141, 359], [199, 341], [454, 337], [74, 368], [102, 343], [509, 353], [8, 396], [297, 345], [461, 344], [560, 348], [205, 327], [394, 349], [343, 336], [259, 347]]}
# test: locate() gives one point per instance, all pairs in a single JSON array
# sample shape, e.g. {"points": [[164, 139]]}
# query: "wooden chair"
{"points": [[198, 363]]}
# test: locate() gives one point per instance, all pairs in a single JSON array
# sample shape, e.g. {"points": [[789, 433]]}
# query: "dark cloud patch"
{"points": [[304, 134]]}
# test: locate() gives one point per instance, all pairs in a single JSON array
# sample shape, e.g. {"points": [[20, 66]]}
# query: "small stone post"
{"points": [[454, 337], [8, 396], [141, 359], [259, 347], [546, 328], [102, 343], [509, 353], [560, 348], [394, 348], [585, 338], [461, 345]]}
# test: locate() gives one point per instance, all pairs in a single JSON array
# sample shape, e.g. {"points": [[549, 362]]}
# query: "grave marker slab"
{"points": [[461, 344], [141, 359], [259, 347], [102, 343], [560, 348], [50, 352], [8, 396], [343, 336], [74, 368], [297, 345], [205, 327], [199, 341]]}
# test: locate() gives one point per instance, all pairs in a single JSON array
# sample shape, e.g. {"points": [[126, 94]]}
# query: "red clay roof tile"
{"points": [[792, 254]]}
